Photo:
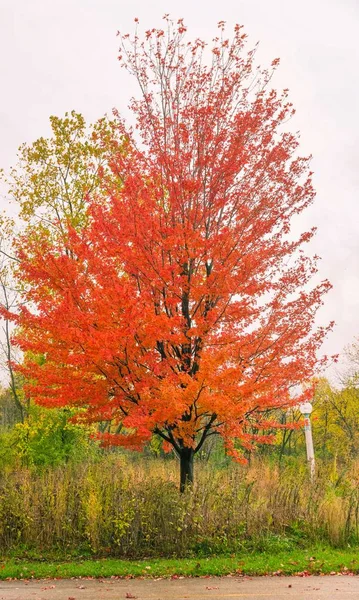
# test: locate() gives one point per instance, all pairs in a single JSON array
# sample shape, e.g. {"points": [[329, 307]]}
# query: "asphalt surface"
{"points": [[215, 588]]}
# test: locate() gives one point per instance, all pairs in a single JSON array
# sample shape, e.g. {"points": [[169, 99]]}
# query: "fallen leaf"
{"points": [[212, 587], [49, 587]]}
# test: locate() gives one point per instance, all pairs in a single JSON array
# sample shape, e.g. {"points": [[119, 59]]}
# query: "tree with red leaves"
{"points": [[185, 307]]}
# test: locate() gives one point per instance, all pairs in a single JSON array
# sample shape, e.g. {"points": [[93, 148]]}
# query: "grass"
{"points": [[316, 561], [116, 507]]}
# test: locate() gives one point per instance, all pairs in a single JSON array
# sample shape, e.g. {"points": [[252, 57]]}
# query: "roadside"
{"points": [[305, 562]]}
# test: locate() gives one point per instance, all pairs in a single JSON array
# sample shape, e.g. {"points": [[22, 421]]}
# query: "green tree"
{"points": [[54, 177], [336, 420]]}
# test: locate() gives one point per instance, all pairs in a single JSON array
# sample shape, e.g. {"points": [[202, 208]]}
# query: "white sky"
{"points": [[59, 55]]}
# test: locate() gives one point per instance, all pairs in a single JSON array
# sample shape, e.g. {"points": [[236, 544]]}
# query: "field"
{"points": [[125, 507]]}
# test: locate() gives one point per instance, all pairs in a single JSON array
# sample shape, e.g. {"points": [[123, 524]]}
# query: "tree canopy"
{"points": [[184, 308]]}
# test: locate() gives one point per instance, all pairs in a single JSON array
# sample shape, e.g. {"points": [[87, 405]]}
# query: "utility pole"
{"points": [[306, 409]]}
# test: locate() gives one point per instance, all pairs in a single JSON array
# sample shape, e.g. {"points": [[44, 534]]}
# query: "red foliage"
{"points": [[185, 307]]}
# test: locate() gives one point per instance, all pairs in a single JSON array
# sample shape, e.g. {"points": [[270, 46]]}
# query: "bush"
{"points": [[46, 438]]}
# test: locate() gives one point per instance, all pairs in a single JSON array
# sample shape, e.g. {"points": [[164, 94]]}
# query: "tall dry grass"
{"points": [[123, 508]]}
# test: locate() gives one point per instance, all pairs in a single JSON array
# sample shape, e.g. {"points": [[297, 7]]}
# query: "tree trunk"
{"points": [[186, 462]]}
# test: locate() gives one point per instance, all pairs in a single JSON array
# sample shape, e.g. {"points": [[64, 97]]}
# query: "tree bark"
{"points": [[186, 463]]}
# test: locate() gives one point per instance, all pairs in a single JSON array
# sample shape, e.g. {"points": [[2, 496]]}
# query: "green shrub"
{"points": [[45, 439]]}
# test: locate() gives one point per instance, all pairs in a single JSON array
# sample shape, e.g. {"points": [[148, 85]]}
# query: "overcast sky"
{"points": [[59, 55]]}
